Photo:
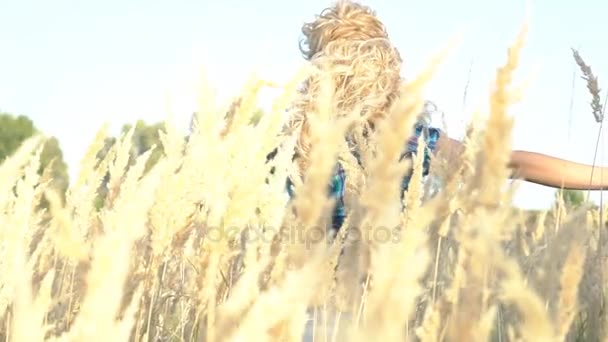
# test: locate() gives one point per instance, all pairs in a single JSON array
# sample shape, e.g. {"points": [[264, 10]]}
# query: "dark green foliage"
{"points": [[144, 138], [572, 198], [14, 130], [53, 156]]}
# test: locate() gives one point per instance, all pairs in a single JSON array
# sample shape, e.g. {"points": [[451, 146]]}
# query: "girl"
{"points": [[349, 34]]}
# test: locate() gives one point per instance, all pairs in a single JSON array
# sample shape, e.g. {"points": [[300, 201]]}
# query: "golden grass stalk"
{"points": [[123, 224], [29, 310], [535, 323], [399, 284], [592, 86], [297, 290], [496, 147], [325, 134], [413, 198], [569, 282]]}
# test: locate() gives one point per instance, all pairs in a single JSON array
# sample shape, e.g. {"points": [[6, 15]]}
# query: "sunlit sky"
{"points": [[73, 65]]}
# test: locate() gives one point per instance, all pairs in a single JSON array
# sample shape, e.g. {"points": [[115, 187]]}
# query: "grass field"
{"points": [[205, 246]]}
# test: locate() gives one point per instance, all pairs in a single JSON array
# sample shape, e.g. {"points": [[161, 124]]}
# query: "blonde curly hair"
{"points": [[348, 43]]}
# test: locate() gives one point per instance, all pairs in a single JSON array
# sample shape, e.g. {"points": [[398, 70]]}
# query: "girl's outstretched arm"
{"points": [[557, 173], [543, 169]]}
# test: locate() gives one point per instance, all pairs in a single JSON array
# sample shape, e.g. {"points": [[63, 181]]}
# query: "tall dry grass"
{"points": [[206, 247]]}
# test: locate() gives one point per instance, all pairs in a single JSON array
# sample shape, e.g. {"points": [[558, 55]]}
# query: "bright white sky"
{"points": [[73, 65]]}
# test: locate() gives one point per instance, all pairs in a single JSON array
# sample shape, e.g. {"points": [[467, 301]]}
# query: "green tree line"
{"points": [[14, 130]]}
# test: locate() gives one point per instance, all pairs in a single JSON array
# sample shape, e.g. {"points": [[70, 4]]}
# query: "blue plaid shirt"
{"points": [[336, 191], [338, 181], [431, 137]]}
